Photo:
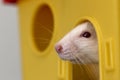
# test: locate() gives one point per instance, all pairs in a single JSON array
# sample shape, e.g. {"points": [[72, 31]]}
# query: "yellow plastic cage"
{"points": [[50, 20]]}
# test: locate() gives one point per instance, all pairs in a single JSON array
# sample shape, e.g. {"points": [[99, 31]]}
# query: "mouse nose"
{"points": [[58, 48]]}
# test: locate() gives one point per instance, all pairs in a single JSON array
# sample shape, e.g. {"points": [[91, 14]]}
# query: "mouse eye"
{"points": [[86, 34]]}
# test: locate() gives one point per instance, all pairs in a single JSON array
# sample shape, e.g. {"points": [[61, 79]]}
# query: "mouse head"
{"points": [[80, 45]]}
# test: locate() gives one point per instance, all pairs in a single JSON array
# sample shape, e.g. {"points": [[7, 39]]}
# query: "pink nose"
{"points": [[58, 48]]}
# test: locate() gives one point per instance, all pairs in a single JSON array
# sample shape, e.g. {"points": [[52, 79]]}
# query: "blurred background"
{"points": [[10, 60]]}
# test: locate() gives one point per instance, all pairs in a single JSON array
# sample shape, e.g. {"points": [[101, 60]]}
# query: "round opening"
{"points": [[88, 71], [43, 27]]}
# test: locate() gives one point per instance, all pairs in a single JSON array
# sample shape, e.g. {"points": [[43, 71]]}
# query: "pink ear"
{"points": [[10, 1]]}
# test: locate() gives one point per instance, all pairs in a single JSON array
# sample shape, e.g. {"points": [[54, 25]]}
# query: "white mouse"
{"points": [[80, 45]]}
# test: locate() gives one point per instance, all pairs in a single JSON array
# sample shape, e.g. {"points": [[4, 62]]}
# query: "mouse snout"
{"points": [[59, 48]]}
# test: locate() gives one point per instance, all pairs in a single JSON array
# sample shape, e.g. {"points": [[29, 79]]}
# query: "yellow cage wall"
{"points": [[42, 62]]}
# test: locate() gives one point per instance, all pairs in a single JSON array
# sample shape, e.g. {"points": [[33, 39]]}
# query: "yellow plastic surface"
{"points": [[43, 63]]}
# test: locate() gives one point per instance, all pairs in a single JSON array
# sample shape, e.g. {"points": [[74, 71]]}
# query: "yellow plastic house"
{"points": [[44, 22]]}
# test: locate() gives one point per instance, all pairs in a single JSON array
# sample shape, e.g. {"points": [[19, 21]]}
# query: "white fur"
{"points": [[85, 49]]}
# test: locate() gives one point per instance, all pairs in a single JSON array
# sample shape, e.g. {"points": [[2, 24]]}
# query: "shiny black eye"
{"points": [[86, 34]]}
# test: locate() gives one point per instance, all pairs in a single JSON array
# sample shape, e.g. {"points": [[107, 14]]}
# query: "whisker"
{"points": [[81, 66], [42, 39], [94, 66], [42, 45], [89, 69], [86, 69], [43, 42], [41, 26]]}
